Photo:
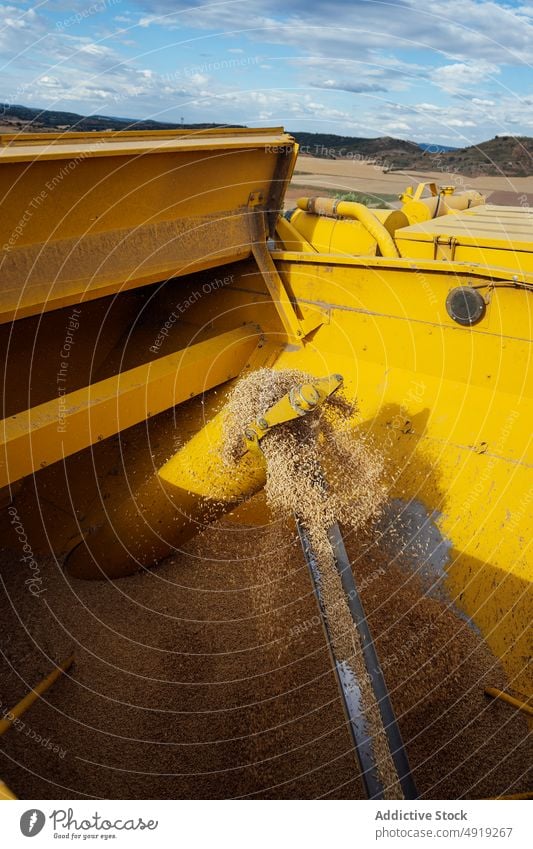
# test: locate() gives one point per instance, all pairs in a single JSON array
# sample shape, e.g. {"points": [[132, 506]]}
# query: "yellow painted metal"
{"points": [[416, 194], [290, 238], [290, 320], [48, 432], [426, 269], [5, 792], [452, 409], [85, 216], [300, 400], [192, 489], [21, 707], [356, 211], [343, 236], [488, 235], [18, 147], [516, 796], [332, 235], [442, 200], [506, 697], [458, 201]]}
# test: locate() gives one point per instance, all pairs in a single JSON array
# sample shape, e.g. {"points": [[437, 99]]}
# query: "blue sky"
{"points": [[448, 71]]}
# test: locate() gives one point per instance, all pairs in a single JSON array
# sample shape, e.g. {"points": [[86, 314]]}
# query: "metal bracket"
{"points": [[444, 247], [416, 194], [300, 400]]}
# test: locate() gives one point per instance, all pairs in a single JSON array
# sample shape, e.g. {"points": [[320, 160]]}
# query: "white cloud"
{"points": [[397, 127], [95, 49], [49, 82], [449, 54], [480, 29], [19, 30], [427, 107], [464, 77], [460, 122]]}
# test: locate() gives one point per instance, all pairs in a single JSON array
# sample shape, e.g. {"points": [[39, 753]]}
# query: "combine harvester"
{"points": [[146, 271]]}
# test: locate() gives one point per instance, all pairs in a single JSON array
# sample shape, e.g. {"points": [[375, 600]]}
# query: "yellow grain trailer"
{"points": [[143, 272]]}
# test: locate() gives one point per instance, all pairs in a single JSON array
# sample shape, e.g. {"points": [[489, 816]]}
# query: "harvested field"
{"points": [[314, 175]]}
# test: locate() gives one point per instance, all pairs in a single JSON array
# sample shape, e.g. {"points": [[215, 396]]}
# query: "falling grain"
{"points": [[317, 470]]}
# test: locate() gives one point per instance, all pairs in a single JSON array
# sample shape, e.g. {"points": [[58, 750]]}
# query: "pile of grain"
{"points": [[305, 453], [210, 678], [320, 472]]}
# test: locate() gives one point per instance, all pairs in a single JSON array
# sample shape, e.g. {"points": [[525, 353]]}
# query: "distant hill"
{"points": [[504, 155], [389, 152], [509, 156], [49, 120]]}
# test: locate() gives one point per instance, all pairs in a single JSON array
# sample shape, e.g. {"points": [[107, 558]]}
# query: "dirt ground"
{"points": [[210, 678], [345, 175]]}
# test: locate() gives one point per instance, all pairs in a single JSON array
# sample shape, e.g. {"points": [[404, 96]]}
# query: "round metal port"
{"points": [[465, 305]]}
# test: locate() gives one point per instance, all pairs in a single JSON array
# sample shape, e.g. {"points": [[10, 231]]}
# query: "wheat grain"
{"points": [[318, 470]]}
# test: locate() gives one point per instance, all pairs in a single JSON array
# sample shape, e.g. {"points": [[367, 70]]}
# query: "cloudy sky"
{"points": [[448, 71]]}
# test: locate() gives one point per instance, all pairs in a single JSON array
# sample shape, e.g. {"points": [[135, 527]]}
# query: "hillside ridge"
{"points": [[504, 155]]}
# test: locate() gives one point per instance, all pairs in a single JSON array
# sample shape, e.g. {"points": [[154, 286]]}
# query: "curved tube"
{"points": [[464, 200], [418, 209], [357, 211]]}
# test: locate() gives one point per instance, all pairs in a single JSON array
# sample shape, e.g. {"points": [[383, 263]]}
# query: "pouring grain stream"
{"points": [[300, 457]]}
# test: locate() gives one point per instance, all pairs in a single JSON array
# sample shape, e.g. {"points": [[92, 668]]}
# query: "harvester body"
{"points": [[143, 273]]}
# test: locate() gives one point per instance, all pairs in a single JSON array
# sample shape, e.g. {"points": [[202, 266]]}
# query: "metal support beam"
{"points": [[296, 329], [392, 731], [525, 706], [348, 684], [51, 431], [34, 694]]}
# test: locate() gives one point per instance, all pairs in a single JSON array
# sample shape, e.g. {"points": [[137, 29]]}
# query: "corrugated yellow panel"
{"points": [[489, 235]]}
